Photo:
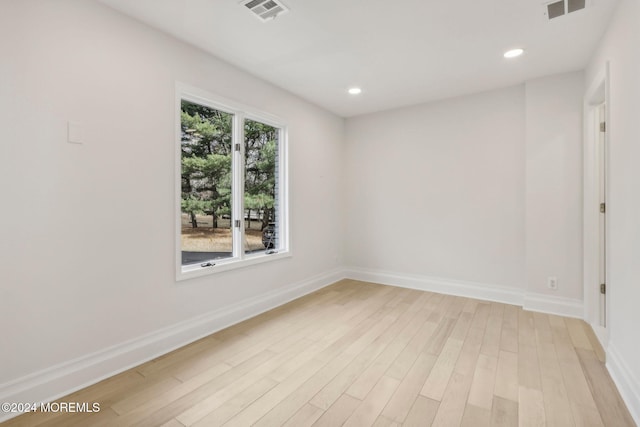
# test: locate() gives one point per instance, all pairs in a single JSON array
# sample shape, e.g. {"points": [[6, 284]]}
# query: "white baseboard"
{"points": [[567, 307], [628, 385], [602, 334], [57, 381], [440, 285], [483, 291]]}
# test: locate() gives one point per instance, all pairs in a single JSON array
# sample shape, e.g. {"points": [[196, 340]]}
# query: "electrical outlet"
{"points": [[552, 283]]}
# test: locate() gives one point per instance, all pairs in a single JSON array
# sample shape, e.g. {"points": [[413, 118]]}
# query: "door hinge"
{"points": [[603, 127], [237, 147], [603, 288], [603, 208], [236, 223]]}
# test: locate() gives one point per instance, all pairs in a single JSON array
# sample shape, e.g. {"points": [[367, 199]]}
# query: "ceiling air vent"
{"points": [[265, 9], [563, 7]]}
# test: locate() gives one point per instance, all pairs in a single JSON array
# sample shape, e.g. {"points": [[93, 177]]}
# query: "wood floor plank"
{"points": [[556, 321], [410, 353], [507, 376], [451, 408], [475, 417], [509, 336], [530, 408], [218, 413], [576, 385], [276, 406], [543, 332], [481, 315], [440, 335], [484, 379], [504, 413], [422, 412], [526, 328], [370, 376], [468, 358], [126, 382], [303, 394], [493, 332], [223, 393], [376, 343], [169, 387], [172, 423], [595, 343], [607, 398], [440, 374], [371, 407], [455, 308], [577, 334], [400, 403], [385, 422], [179, 356], [106, 416], [586, 416], [159, 409], [462, 325], [439, 307], [470, 305], [235, 352], [338, 412], [556, 399], [528, 366], [371, 355], [266, 402], [105, 393], [305, 417]]}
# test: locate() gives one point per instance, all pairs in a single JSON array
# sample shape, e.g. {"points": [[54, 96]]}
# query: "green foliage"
{"points": [[194, 205], [207, 159], [258, 201]]}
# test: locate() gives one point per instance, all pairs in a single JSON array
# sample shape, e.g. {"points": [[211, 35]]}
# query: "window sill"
{"points": [[191, 272]]}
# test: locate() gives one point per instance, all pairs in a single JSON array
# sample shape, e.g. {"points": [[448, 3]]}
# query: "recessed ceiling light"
{"points": [[355, 90], [513, 53]]}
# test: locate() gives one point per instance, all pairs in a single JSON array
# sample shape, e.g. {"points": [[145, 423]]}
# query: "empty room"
{"points": [[319, 213]]}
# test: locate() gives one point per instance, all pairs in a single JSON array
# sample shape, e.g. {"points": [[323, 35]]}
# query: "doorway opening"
{"points": [[595, 205]]}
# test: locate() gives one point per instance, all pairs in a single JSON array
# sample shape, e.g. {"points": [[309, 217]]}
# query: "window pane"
{"points": [[206, 183], [261, 187]]}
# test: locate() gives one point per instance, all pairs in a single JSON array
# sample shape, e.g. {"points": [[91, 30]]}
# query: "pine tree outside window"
{"points": [[231, 190]]}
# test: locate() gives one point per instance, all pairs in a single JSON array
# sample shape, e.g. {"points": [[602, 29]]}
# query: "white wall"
{"points": [[479, 195], [620, 48], [87, 231], [554, 184], [437, 190]]}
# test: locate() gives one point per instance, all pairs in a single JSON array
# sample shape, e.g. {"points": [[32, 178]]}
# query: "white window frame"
{"points": [[240, 112]]}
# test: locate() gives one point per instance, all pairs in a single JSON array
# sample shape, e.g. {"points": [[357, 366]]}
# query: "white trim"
{"points": [[230, 264], [597, 93], [602, 334], [627, 384], [60, 380], [551, 304], [483, 291]]}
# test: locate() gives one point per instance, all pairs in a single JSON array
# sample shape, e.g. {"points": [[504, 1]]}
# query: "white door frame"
{"points": [[596, 95]]}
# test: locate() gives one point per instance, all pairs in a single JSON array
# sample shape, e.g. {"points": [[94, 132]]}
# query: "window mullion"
{"points": [[238, 185]]}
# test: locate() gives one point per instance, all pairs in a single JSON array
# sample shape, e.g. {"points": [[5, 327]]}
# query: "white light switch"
{"points": [[75, 134]]}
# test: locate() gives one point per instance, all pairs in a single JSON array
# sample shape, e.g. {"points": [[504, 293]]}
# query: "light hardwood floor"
{"points": [[361, 354]]}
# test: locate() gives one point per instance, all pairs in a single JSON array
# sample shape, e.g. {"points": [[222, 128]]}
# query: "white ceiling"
{"points": [[400, 52]]}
